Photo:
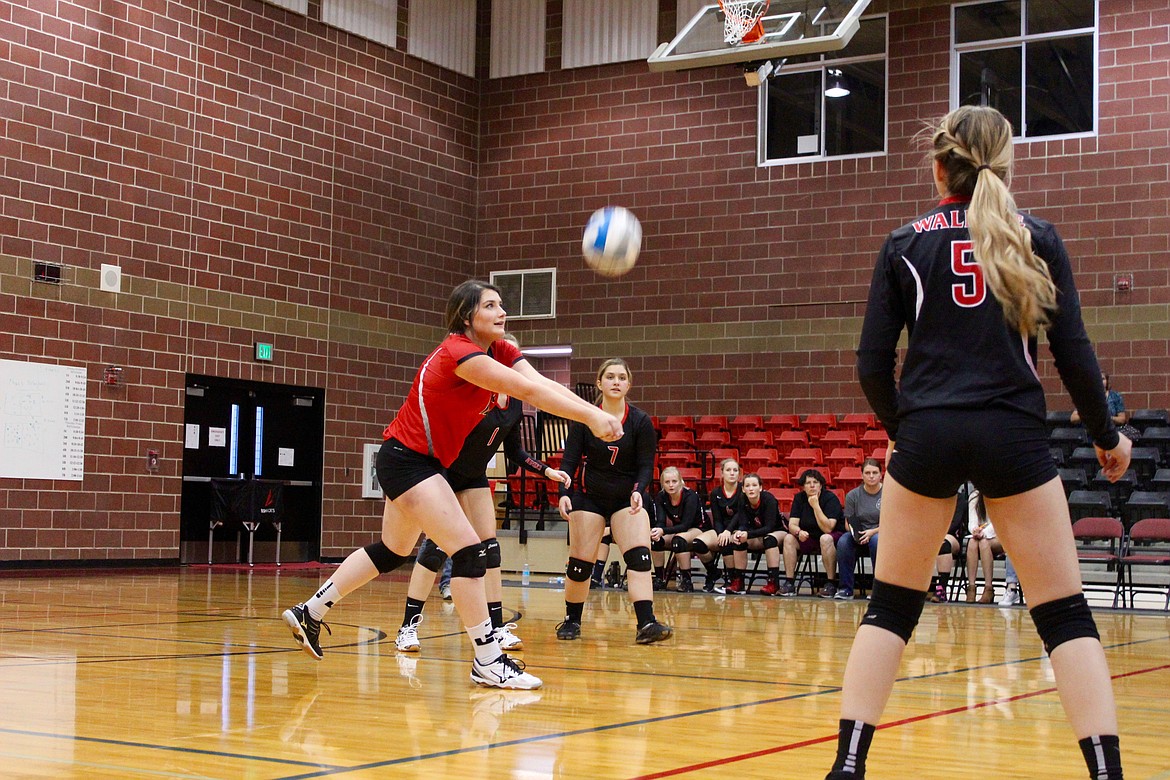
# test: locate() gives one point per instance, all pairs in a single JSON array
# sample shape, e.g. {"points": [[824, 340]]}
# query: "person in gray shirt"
{"points": [[863, 505]]}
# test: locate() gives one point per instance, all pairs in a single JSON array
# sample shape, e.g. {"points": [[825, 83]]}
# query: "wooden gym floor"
{"points": [[190, 673]]}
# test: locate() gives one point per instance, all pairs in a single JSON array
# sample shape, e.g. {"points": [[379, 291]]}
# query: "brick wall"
{"points": [[748, 294], [257, 176]]}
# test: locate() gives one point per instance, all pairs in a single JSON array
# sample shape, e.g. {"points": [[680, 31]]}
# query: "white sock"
{"points": [[323, 600], [483, 639]]}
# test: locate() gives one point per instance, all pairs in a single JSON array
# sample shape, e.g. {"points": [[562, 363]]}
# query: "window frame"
{"points": [[522, 273], [826, 60], [1020, 42]]}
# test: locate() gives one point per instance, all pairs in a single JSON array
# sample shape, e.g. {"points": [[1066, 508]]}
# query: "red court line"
{"points": [[892, 724]]}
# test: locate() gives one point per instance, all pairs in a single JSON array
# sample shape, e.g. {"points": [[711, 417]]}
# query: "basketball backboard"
{"points": [[791, 27]]}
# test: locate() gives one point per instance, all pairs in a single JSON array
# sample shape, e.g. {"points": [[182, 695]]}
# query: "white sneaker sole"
{"points": [[511, 684], [415, 648]]}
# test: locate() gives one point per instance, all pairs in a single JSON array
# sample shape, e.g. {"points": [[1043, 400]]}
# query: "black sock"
{"points": [[659, 571], [943, 579], [774, 575], [573, 610], [496, 612], [644, 610], [1102, 756], [414, 608], [598, 571], [853, 738]]}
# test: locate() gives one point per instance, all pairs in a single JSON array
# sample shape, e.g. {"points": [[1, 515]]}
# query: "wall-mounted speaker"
{"points": [[111, 278]]}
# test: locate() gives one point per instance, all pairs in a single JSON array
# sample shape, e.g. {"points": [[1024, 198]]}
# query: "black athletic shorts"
{"points": [[461, 482], [604, 505], [1004, 452], [401, 468]]}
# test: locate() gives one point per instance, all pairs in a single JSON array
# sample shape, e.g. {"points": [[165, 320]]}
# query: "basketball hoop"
{"points": [[741, 20]]}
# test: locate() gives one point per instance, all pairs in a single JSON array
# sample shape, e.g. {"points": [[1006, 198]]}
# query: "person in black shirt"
{"points": [[678, 514], [725, 500], [972, 282], [610, 480], [758, 527], [815, 523]]}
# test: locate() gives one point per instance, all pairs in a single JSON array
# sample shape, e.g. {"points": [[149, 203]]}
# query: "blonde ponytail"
{"points": [[974, 144]]}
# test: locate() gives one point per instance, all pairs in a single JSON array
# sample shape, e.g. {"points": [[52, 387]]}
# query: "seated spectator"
{"points": [[863, 506], [1113, 399], [1011, 591], [816, 522], [950, 549], [675, 524], [758, 528], [725, 500], [981, 549]]}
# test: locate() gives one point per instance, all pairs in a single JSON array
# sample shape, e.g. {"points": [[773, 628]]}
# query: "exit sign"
{"points": [[263, 352]]}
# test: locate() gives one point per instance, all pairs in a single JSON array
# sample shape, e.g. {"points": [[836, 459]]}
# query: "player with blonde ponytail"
{"points": [[972, 281]]}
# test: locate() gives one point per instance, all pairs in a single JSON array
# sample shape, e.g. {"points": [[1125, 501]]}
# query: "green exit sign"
{"points": [[263, 352]]}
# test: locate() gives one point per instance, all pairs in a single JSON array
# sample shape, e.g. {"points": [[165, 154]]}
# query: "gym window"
{"points": [[827, 105], [528, 295], [1033, 60]]}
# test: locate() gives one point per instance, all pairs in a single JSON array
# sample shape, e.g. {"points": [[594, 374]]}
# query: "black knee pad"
{"points": [[607, 539], [430, 557], [658, 546], [578, 570], [894, 608], [946, 548], [638, 559], [493, 553], [771, 542], [469, 562], [740, 547], [678, 544], [1059, 621], [385, 559], [700, 547]]}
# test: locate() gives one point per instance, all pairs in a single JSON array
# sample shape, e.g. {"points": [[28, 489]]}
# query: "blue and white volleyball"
{"points": [[613, 237]]}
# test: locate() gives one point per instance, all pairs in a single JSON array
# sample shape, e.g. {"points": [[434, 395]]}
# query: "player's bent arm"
{"points": [[527, 370], [489, 374]]}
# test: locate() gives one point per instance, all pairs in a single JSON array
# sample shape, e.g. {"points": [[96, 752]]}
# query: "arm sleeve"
{"points": [[571, 460], [647, 444], [658, 517], [1073, 353], [692, 512], [719, 518], [877, 351], [515, 452], [769, 517]]}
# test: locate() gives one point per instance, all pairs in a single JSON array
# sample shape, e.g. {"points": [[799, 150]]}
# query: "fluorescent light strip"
{"points": [[564, 351]]}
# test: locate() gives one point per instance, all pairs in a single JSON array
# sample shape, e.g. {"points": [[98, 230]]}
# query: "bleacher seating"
{"points": [[1158, 437], [837, 439], [757, 458], [1119, 491], [755, 439], [847, 478], [874, 438], [1058, 419], [841, 457], [722, 453], [774, 476], [1089, 503], [1068, 439], [708, 440], [784, 496], [858, 424], [789, 440], [676, 439], [779, 423], [1073, 479], [676, 422], [743, 423], [1143, 504], [803, 458], [818, 425], [711, 422], [1148, 418]]}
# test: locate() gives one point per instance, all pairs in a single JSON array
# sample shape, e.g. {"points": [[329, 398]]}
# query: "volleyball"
{"points": [[612, 239]]}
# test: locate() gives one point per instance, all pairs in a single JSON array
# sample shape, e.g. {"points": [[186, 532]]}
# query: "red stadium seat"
{"points": [[758, 458], [841, 457], [779, 423], [774, 476], [858, 424], [875, 438], [803, 458], [723, 453], [818, 425], [711, 422], [784, 496], [847, 478], [834, 439], [744, 423], [711, 439], [754, 439], [676, 423], [790, 440], [676, 439]]}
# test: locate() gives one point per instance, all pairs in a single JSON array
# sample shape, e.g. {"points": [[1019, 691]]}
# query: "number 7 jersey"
{"points": [[961, 352]]}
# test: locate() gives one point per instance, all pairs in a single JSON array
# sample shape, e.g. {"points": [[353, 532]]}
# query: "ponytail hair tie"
{"points": [[983, 167]]}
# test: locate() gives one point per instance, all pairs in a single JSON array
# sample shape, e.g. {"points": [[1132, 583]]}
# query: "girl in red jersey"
{"points": [[973, 282], [455, 387], [611, 485]]}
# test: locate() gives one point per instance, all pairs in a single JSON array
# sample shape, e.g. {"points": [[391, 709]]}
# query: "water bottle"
{"points": [[525, 575]]}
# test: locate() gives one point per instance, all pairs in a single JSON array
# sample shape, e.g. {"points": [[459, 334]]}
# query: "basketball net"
{"points": [[741, 20]]}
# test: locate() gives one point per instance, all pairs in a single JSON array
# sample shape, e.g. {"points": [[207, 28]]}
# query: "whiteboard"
{"points": [[42, 421]]}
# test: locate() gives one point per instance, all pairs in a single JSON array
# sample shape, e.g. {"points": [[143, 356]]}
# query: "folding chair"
{"points": [[1153, 535], [1143, 504], [1100, 541]]}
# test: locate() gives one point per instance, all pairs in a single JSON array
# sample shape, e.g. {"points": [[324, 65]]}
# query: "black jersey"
{"points": [[725, 507], [484, 441], [611, 469], [759, 520], [803, 512], [674, 519], [962, 353]]}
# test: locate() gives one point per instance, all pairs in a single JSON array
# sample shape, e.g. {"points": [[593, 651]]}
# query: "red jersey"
{"points": [[442, 409]]}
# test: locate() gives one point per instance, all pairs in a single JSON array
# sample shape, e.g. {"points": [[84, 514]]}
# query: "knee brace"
{"points": [[658, 546], [578, 570], [740, 547], [678, 544], [638, 559], [607, 539], [469, 562], [385, 559], [699, 547], [946, 548], [770, 542], [894, 608], [492, 546], [1059, 621], [430, 557]]}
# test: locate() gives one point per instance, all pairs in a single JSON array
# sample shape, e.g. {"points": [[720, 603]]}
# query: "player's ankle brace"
{"points": [[894, 608]]}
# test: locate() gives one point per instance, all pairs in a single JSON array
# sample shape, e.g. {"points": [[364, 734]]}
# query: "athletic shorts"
{"points": [[1004, 452], [460, 482], [812, 544], [606, 506], [401, 468]]}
